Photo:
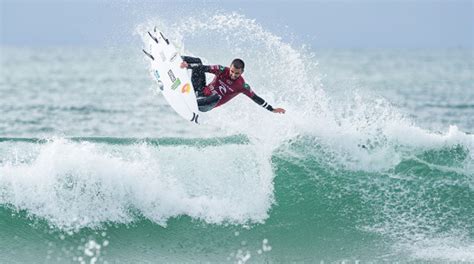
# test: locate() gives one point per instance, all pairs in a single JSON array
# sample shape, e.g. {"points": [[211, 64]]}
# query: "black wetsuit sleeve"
{"points": [[257, 99]]}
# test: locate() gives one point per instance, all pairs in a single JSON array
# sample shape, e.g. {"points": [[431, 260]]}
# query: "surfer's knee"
{"points": [[205, 108], [207, 103], [192, 60]]}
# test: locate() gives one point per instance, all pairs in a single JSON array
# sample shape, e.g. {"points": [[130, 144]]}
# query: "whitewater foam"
{"points": [[364, 131], [75, 185], [348, 130]]}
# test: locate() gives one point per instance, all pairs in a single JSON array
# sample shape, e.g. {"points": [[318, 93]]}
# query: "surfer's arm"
{"points": [[259, 100]]}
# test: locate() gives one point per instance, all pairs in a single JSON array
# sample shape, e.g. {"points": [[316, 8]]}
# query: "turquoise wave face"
{"points": [[421, 203], [309, 207]]}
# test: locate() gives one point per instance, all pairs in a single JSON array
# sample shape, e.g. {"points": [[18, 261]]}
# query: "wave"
{"points": [[119, 169], [421, 202], [238, 139], [348, 163], [353, 152], [84, 184]]}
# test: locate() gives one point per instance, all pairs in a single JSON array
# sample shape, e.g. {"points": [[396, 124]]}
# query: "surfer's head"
{"points": [[236, 68]]}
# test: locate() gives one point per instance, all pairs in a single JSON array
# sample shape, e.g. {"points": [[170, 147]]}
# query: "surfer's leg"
{"points": [[198, 76], [192, 60], [207, 103]]}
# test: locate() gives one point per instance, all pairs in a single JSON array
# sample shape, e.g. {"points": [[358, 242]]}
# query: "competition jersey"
{"points": [[224, 86]]}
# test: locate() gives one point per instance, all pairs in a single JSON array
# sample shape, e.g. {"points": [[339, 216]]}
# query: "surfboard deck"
{"points": [[173, 81]]}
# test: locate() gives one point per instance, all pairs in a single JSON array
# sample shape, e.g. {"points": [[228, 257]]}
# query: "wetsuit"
{"points": [[222, 88]]}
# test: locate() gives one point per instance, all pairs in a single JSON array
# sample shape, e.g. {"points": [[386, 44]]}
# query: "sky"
{"points": [[319, 23]]}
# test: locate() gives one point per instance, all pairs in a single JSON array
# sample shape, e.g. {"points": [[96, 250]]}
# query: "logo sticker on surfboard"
{"points": [[171, 75], [157, 75], [176, 84], [186, 88], [162, 56], [174, 57]]}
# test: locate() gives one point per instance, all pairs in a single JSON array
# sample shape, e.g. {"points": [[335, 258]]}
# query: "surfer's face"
{"points": [[234, 72]]}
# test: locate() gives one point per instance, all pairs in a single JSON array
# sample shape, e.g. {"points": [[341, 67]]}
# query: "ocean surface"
{"points": [[373, 161]]}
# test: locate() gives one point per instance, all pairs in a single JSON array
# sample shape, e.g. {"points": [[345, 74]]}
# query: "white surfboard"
{"points": [[173, 81]]}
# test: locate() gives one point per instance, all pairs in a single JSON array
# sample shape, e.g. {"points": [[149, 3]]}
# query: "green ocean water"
{"points": [[373, 161], [319, 212]]}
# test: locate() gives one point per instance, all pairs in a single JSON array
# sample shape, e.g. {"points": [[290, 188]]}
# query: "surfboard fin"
{"points": [[153, 37], [166, 40], [148, 54]]}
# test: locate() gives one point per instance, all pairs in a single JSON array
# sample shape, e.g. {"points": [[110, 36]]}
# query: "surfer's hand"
{"points": [[279, 110], [206, 91], [184, 65]]}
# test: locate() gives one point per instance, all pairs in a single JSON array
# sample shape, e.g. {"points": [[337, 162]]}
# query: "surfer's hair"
{"points": [[238, 64]]}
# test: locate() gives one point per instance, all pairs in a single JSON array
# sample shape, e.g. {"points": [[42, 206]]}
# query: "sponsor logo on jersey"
{"points": [[186, 88], [223, 87]]}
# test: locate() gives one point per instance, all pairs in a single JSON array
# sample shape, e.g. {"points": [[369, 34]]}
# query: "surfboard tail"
{"points": [[173, 81], [195, 118], [166, 40]]}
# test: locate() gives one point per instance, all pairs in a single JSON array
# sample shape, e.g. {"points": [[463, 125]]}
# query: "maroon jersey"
{"points": [[224, 86]]}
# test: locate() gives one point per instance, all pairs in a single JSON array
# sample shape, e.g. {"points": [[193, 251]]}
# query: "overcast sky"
{"points": [[321, 24]]}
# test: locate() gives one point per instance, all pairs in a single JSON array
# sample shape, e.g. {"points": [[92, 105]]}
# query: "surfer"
{"points": [[227, 83]]}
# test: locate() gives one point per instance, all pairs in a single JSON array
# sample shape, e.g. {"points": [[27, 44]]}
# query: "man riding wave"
{"points": [[227, 83]]}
